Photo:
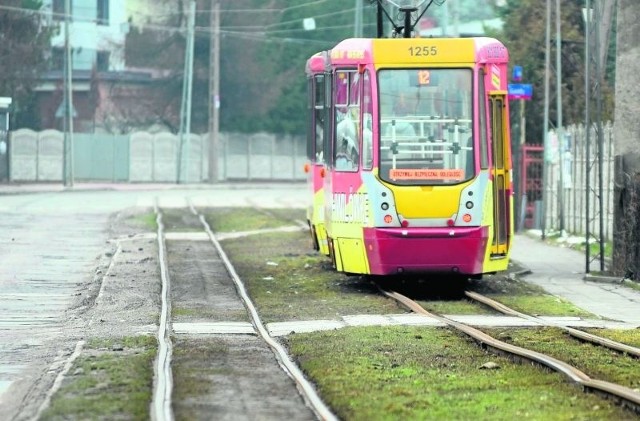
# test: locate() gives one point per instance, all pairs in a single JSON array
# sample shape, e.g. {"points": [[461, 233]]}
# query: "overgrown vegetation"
{"points": [[596, 361], [248, 219], [387, 373], [524, 35], [112, 379]]}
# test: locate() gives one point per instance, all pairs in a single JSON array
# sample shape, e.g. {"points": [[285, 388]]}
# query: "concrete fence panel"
{"points": [[147, 157], [23, 150], [50, 153], [141, 157], [165, 157]]}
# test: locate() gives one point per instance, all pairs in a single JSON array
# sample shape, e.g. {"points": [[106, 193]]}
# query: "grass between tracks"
{"points": [[111, 379], [387, 373], [398, 372]]}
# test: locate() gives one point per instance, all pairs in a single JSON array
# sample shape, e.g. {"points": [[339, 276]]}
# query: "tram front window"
{"points": [[426, 126]]}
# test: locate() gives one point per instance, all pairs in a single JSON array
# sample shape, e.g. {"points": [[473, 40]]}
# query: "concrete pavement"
{"points": [[561, 272]]}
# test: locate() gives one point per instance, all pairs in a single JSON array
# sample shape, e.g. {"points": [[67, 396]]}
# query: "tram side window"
{"points": [[482, 102], [310, 123], [346, 117], [367, 121], [318, 110]]}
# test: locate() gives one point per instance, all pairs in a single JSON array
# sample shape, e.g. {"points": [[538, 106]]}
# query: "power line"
{"points": [[314, 17], [262, 38], [286, 9], [324, 28]]}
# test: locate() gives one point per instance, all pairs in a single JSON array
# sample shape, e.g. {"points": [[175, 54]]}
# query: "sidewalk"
{"points": [[561, 272], [28, 188]]}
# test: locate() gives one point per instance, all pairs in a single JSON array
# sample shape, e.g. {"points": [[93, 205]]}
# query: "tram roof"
{"points": [[316, 63], [419, 51]]}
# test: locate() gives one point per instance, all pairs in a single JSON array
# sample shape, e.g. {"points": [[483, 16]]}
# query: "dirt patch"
{"points": [[201, 288], [230, 378]]}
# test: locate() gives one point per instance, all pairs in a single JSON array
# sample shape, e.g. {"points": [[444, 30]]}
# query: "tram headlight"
{"points": [[384, 206], [469, 205]]}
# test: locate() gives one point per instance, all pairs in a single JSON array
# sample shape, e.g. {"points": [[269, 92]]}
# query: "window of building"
{"points": [[58, 9], [103, 12], [102, 61], [57, 58]]}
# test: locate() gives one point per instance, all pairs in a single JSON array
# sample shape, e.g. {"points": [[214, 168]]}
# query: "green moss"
{"points": [[394, 373], [112, 379]]}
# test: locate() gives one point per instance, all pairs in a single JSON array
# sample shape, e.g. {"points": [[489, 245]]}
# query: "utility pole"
{"points": [[593, 61], [456, 18], [600, 134], [545, 170], [187, 89], [588, 17], [214, 91], [68, 101], [358, 20], [559, 128]]}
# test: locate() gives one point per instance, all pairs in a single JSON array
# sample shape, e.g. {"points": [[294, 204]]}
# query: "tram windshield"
{"points": [[426, 122]]}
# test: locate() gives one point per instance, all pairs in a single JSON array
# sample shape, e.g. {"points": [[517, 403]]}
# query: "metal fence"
{"points": [[146, 157], [564, 201]]}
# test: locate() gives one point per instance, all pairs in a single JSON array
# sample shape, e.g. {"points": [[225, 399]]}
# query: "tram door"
{"points": [[499, 152]]}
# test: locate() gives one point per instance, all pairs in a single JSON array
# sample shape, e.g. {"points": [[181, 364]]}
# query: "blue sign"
{"points": [[520, 91], [517, 73]]}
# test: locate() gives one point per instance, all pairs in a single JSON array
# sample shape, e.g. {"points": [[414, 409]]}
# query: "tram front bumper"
{"points": [[426, 250]]}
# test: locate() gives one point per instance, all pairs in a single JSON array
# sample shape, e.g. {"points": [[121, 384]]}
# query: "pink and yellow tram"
{"points": [[416, 174]]}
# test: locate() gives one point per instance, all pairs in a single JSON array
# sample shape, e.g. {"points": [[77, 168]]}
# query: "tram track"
{"points": [[626, 396], [163, 380], [576, 333]]}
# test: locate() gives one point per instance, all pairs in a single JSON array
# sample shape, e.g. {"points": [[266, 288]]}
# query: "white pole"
{"points": [[68, 152], [192, 24], [214, 94], [185, 110], [357, 33], [545, 128]]}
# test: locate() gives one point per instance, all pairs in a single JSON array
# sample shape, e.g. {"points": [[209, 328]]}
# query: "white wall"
{"points": [[87, 37]]}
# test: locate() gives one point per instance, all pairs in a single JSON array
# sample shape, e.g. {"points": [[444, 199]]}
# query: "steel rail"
{"points": [[627, 396], [163, 380], [585, 336], [306, 389]]}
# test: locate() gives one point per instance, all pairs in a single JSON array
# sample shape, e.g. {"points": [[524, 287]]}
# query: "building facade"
{"points": [[103, 85]]}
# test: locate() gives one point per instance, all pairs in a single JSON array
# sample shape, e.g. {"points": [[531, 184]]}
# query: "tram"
{"points": [[415, 171]]}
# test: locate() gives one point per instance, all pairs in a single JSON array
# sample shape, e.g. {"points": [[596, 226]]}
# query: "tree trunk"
{"points": [[626, 230]]}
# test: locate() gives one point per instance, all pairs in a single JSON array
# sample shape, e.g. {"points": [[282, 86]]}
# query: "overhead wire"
{"points": [[260, 32]]}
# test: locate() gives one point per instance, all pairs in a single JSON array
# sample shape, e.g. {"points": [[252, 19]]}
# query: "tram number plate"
{"points": [[423, 51]]}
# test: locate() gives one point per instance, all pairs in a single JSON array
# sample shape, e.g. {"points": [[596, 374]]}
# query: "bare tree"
{"points": [[626, 247]]}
